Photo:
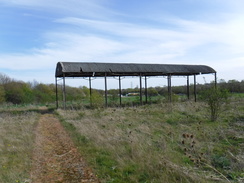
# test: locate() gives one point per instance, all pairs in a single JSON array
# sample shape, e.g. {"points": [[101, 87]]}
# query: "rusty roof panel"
{"points": [[87, 69]]}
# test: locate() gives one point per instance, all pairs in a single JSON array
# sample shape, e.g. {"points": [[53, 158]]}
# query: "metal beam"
{"points": [[90, 91], [56, 83], [120, 93], [169, 88], [106, 91], [195, 88], [140, 89], [146, 88], [215, 79], [64, 93], [188, 88]]}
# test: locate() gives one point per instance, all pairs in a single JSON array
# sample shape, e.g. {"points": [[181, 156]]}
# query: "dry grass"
{"points": [[55, 158], [162, 143], [16, 144]]}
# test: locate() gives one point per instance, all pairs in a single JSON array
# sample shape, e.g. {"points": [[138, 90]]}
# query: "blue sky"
{"points": [[36, 34]]}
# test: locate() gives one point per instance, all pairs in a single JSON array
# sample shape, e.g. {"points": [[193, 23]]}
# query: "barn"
{"points": [[105, 70]]}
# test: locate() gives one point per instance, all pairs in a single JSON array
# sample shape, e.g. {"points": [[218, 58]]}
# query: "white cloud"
{"points": [[68, 48], [108, 40], [136, 43]]}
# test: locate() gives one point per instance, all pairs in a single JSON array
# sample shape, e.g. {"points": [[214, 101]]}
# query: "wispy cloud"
{"points": [[88, 33], [186, 35], [137, 43], [91, 8]]}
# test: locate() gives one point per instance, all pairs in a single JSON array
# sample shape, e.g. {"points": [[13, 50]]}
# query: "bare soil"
{"points": [[55, 157]]}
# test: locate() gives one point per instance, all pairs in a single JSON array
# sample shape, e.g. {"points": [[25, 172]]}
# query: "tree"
{"points": [[234, 86], [152, 91], [4, 79], [18, 92], [44, 93], [74, 94], [2, 94]]}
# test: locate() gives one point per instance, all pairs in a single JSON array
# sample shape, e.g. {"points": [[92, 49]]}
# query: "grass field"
{"points": [[152, 143], [161, 142], [129, 101], [16, 145]]}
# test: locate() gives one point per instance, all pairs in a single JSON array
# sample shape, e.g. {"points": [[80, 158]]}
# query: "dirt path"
{"points": [[55, 158]]}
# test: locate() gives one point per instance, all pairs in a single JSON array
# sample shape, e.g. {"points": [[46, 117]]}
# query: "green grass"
{"points": [[152, 143], [161, 142], [99, 101], [237, 95], [25, 107], [16, 144]]}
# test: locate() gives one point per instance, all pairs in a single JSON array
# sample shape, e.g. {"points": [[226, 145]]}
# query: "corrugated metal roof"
{"points": [[87, 69]]}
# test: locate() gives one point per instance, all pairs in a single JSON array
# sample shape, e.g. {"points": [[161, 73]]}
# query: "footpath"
{"points": [[55, 157]]}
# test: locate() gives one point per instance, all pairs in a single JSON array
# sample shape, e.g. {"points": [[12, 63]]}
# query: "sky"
{"points": [[36, 34]]}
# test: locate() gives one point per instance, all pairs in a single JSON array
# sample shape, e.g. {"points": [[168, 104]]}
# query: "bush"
{"points": [[18, 92], [44, 93], [97, 99], [215, 99]]}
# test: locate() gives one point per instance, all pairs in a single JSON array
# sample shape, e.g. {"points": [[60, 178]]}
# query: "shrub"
{"points": [[215, 99], [18, 92], [97, 99]]}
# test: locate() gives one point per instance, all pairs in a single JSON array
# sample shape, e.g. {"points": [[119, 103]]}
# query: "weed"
{"points": [[81, 114], [219, 161]]}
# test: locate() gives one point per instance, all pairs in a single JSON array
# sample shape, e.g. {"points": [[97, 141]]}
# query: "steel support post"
{"points": [[56, 83], [188, 88], [195, 88], [90, 91], [140, 90], [169, 88], [146, 88], [106, 91], [215, 79], [120, 93], [64, 93]]}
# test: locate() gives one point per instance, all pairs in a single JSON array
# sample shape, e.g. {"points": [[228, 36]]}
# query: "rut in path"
{"points": [[55, 158]]}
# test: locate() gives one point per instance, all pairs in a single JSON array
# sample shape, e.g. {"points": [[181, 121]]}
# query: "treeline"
{"points": [[233, 86], [19, 92]]}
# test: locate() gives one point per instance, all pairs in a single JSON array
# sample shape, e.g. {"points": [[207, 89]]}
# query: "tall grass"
{"points": [[16, 143], [160, 143]]}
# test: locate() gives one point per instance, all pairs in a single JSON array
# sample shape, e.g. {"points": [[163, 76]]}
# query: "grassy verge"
{"points": [[16, 144], [160, 143], [11, 108]]}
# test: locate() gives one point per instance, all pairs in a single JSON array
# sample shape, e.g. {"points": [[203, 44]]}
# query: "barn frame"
{"points": [[95, 69]]}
